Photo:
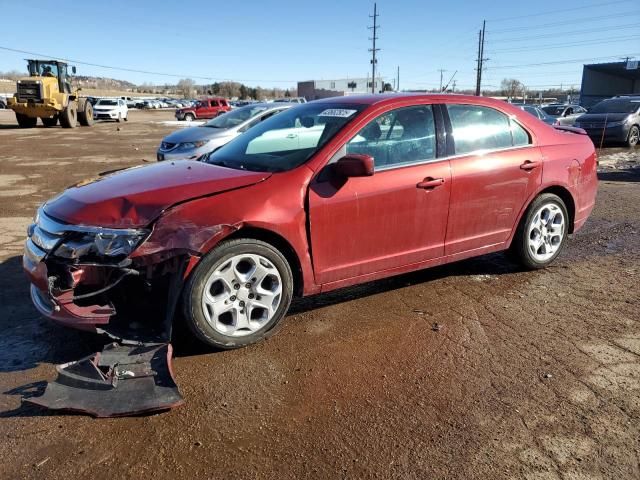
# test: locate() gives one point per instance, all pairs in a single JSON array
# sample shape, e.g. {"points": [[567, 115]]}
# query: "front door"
{"points": [[494, 171], [394, 218]]}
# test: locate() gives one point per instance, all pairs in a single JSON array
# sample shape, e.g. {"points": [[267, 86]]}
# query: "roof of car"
{"points": [[371, 99]]}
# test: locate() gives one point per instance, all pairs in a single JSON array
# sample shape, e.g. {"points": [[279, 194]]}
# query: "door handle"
{"points": [[529, 165], [430, 183], [292, 135]]}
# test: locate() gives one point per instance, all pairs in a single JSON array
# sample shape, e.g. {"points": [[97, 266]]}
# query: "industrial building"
{"points": [[605, 80], [316, 89]]}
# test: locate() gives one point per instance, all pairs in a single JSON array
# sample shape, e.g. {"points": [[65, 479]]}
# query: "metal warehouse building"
{"points": [[317, 89], [604, 80]]}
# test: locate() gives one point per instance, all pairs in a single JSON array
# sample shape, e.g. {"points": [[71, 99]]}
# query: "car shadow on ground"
{"points": [[185, 345]]}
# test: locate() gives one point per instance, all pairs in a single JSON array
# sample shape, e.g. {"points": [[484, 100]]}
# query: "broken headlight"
{"points": [[111, 243]]}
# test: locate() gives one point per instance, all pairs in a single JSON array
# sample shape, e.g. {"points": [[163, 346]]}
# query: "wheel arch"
{"points": [[561, 191], [566, 197], [281, 244]]}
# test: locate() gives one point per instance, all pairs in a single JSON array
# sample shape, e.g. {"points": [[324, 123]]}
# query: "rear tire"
{"points": [[126, 118], [25, 121], [542, 232], [634, 136], [225, 306], [85, 112], [69, 116]]}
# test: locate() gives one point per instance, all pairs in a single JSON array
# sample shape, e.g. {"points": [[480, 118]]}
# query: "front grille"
{"points": [[103, 115], [29, 91], [167, 146], [45, 233]]}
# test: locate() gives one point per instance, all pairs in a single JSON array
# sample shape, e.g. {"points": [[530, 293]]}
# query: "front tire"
{"points": [[634, 136], [542, 232], [238, 294], [25, 121], [189, 117]]}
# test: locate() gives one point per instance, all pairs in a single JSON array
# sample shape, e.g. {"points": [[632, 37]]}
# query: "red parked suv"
{"points": [[207, 108], [324, 195]]}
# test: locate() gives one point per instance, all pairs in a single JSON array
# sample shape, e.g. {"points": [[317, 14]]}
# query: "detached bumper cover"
{"points": [[119, 381]]}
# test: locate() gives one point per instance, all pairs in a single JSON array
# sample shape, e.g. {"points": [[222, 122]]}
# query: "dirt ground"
{"points": [[531, 375]]}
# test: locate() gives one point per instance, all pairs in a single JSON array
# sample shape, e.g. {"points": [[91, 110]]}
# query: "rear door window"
{"points": [[399, 137], [478, 128]]}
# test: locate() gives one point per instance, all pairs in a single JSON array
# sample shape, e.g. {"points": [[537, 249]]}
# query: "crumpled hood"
{"points": [[195, 134], [135, 197]]}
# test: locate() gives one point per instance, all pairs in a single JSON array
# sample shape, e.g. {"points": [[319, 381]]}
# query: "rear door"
{"points": [[495, 167], [394, 218]]}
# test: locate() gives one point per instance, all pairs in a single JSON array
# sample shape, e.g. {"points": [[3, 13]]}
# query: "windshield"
{"points": [[107, 102], [616, 106], [286, 140], [556, 111], [235, 117]]}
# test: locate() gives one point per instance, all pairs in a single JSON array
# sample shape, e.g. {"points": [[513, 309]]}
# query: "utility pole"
{"points": [[441, 72], [398, 77], [374, 50], [481, 59]]}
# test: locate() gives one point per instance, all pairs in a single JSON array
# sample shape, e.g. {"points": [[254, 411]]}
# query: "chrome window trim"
{"points": [[454, 157]]}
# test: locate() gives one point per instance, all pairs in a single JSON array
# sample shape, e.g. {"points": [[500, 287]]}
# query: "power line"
{"points": [[133, 70], [562, 23], [564, 34], [540, 14], [559, 62], [597, 41]]}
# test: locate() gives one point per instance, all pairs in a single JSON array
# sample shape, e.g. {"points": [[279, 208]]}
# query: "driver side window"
{"points": [[400, 137]]}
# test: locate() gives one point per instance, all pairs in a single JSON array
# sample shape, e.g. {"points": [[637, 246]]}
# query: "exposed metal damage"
{"points": [[130, 300]]}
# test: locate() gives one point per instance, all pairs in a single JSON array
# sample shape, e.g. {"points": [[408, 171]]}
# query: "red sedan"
{"points": [[324, 195]]}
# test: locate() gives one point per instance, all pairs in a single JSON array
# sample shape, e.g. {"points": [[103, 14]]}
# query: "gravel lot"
{"points": [[530, 375]]}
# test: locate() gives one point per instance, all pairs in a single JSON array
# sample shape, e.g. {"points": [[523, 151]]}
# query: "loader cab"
{"points": [[53, 69]]}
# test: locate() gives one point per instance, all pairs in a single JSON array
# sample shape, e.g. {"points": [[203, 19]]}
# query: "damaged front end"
{"points": [[83, 277]]}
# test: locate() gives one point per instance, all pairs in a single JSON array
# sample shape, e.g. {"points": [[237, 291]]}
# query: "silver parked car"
{"points": [[191, 143], [564, 114], [538, 113]]}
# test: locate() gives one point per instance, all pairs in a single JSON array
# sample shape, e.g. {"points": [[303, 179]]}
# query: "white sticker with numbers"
{"points": [[337, 112]]}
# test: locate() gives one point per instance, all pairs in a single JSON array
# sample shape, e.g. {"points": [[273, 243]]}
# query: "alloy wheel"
{"points": [[242, 295], [545, 233]]}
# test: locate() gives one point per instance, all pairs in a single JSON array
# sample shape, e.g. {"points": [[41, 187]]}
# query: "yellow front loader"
{"points": [[47, 94]]}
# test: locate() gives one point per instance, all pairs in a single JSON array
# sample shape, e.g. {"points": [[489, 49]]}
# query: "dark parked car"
{"points": [[538, 113], [614, 120], [323, 195]]}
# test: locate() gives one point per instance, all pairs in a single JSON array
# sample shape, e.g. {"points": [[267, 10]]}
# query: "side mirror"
{"points": [[355, 165]]}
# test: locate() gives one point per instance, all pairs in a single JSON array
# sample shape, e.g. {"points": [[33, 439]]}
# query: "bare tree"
{"points": [[511, 87], [186, 87]]}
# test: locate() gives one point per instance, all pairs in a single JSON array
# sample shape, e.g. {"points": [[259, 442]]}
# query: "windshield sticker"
{"points": [[337, 112]]}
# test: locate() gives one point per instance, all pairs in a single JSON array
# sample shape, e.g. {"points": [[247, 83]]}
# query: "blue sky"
{"points": [[276, 43]]}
